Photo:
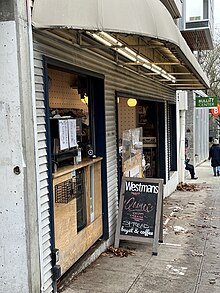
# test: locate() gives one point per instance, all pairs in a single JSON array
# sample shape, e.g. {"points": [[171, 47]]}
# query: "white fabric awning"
{"points": [[147, 18]]}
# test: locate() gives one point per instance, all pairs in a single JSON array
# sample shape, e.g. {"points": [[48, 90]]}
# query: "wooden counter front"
{"points": [[72, 244], [68, 169]]}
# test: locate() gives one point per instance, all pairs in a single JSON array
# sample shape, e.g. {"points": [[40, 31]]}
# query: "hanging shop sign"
{"points": [[206, 102], [140, 211], [216, 111]]}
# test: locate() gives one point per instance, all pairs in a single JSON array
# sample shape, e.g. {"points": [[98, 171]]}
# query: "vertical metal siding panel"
{"points": [[166, 143], [132, 84], [111, 157], [201, 137], [44, 211], [168, 140]]}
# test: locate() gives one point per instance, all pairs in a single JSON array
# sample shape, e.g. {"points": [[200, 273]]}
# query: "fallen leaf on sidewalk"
{"points": [[121, 252], [187, 187], [189, 232], [192, 225], [216, 273], [203, 226]]}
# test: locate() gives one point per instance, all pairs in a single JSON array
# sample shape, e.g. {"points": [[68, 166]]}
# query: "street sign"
{"points": [[216, 111], [206, 102]]}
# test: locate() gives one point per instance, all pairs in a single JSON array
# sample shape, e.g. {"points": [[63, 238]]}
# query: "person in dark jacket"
{"points": [[214, 156], [190, 168]]}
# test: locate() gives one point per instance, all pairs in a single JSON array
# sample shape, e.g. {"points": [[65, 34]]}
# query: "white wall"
{"points": [[13, 248], [194, 9], [19, 241]]}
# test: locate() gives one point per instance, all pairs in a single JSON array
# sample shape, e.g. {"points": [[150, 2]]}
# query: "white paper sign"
{"points": [[135, 172], [72, 132], [63, 133]]}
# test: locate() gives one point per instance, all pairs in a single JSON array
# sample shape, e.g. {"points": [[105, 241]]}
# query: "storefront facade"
{"points": [[117, 85], [52, 62], [83, 79]]}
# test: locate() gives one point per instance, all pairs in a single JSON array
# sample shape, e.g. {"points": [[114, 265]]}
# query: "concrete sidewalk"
{"points": [[187, 262]]}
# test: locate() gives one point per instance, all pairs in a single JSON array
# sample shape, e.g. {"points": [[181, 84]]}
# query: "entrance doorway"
{"points": [[139, 113], [76, 160]]}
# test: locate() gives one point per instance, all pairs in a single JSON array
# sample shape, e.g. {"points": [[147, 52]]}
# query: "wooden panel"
{"points": [[80, 244], [70, 168], [98, 191], [62, 178], [87, 190], [65, 230], [73, 245], [131, 163]]}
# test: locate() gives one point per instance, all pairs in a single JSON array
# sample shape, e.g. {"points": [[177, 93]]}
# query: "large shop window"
{"points": [[76, 171], [137, 113]]}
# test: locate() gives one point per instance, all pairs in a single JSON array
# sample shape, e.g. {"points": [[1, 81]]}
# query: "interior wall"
{"points": [[126, 116], [63, 92]]}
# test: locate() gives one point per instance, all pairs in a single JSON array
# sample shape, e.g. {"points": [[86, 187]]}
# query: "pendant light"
{"points": [[85, 99], [132, 102]]}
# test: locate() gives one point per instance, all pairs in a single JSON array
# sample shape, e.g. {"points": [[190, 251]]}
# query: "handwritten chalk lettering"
{"points": [[140, 211], [147, 233], [139, 187], [129, 224], [136, 231], [137, 216], [133, 205], [126, 231]]}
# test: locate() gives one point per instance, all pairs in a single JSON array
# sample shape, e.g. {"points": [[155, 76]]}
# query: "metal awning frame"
{"points": [[176, 68], [144, 26]]}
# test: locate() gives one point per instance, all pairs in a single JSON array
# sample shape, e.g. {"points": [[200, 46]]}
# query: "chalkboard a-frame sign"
{"points": [[140, 211]]}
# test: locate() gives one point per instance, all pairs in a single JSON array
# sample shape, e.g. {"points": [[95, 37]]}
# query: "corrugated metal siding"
{"points": [[131, 83], [111, 159], [168, 140], [166, 143], [44, 209]]}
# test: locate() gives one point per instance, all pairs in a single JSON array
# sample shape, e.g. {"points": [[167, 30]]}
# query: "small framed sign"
{"points": [[140, 211], [206, 102]]}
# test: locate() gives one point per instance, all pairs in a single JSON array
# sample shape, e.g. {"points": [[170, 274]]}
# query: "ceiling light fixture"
{"points": [[110, 41], [84, 99], [132, 102]]}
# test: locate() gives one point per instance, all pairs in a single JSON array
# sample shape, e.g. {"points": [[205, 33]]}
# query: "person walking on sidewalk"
{"points": [[214, 156]]}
